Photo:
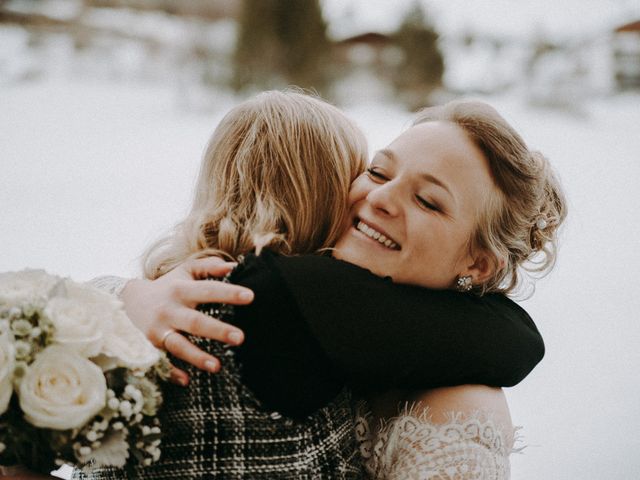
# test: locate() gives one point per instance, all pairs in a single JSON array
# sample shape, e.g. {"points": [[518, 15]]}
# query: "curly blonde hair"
{"points": [[518, 227], [276, 173]]}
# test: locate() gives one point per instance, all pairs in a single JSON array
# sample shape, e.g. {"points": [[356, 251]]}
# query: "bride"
{"points": [[457, 202]]}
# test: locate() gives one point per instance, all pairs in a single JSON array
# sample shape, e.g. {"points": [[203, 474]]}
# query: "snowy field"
{"points": [[92, 172]]}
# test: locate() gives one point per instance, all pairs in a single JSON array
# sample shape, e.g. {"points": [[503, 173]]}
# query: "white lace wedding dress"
{"points": [[411, 447]]}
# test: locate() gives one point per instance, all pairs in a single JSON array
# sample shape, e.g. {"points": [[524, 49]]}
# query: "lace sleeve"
{"points": [[110, 284], [411, 447]]}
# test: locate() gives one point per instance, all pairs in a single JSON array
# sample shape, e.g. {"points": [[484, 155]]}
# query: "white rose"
{"points": [[127, 345], [7, 363], [80, 314], [26, 286], [62, 390]]}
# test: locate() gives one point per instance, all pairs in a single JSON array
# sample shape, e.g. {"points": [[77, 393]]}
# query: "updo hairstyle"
{"points": [[518, 227]]}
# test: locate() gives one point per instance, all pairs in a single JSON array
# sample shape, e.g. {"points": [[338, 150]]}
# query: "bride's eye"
{"points": [[427, 204], [376, 175]]}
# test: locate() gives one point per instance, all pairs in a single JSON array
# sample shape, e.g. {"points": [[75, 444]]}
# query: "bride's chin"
{"points": [[358, 258]]}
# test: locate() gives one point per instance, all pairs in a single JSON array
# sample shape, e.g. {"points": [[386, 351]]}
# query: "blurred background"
{"points": [[106, 106]]}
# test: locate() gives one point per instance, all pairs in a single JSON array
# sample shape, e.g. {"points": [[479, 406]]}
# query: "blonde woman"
{"points": [[278, 408], [477, 171]]}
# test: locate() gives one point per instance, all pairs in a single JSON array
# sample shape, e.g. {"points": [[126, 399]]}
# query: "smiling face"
{"points": [[414, 210]]}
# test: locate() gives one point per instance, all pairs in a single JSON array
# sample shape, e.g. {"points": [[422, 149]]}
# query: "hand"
{"points": [[168, 303]]}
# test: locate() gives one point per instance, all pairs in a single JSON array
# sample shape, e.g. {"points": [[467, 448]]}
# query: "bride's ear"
{"points": [[483, 266]]}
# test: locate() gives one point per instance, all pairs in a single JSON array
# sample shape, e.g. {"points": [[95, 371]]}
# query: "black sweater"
{"points": [[317, 324]]}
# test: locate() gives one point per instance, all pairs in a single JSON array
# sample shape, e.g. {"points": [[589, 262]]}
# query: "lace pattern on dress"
{"points": [[412, 447]]}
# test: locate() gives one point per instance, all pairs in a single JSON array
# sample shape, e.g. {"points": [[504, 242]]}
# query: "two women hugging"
{"points": [[360, 327]]}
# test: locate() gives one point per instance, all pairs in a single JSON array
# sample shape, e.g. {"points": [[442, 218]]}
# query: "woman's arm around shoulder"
{"points": [[167, 304], [415, 337]]}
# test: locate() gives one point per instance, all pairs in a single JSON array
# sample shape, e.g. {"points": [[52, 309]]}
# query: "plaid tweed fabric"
{"points": [[216, 429]]}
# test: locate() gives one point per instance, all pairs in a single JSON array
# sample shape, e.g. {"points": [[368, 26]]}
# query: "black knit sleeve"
{"points": [[281, 361], [381, 334], [317, 324]]}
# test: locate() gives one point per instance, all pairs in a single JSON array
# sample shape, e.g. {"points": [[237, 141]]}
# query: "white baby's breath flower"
{"points": [[113, 451], [125, 408], [21, 327], [113, 404], [62, 390], [124, 342], [23, 349], [35, 332], [7, 364], [79, 317], [25, 287], [151, 396]]}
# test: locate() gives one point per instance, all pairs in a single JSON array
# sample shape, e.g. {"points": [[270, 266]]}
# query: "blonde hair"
{"points": [[518, 227], [276, 172]]}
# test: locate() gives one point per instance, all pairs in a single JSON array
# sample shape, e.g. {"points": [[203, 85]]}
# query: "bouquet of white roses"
{"points": [[78, 381]]}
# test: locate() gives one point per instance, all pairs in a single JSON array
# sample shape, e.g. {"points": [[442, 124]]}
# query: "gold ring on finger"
{"points": [[165, 335]]}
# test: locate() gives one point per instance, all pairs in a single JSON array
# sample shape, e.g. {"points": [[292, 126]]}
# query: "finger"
{"points": [[212, 291], [178, 376], [209, 267], [202, 325], [183, 349]]}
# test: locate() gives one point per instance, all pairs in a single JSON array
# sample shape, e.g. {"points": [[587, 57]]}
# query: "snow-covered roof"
{"points": [[629, 27]]}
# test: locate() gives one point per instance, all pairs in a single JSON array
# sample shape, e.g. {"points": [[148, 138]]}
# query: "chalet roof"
{"points": [[370, 38], [629, 27]]}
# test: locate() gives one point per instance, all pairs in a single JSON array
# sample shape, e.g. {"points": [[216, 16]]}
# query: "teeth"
{"points": [[374, 234]]}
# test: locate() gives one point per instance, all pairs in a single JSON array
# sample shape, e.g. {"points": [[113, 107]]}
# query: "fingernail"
{"points": [[211, 365], [235, 337], [245, 296], [180, 379]]}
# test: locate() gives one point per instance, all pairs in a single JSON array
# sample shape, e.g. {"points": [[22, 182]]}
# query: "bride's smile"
{"points": [[416, 205]]}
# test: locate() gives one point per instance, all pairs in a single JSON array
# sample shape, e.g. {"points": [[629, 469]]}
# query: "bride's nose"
{"points": [[385, 199]]}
